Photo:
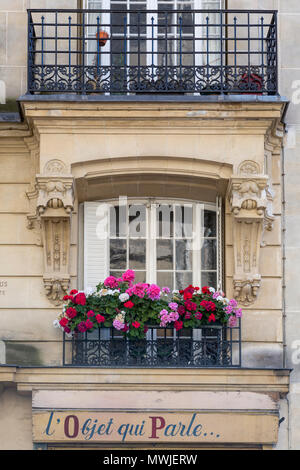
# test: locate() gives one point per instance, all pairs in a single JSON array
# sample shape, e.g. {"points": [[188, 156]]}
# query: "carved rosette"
{"points": [[54, 207], [250, 205]]}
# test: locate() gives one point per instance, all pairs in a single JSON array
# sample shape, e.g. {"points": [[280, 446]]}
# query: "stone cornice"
{"points": [[63, 378], [180, 116]]}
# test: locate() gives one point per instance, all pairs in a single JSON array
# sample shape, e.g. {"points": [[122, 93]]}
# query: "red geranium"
{"points": [[198, 315], [188, 292], [63, 322], [100, 318], [190, 305], [136, 324], [205, 290], [181, 310], [90, 314], [178, 325], [211, 318], [71, 312], [80, 299], [129, 304], [89, 324], [208, 305]]}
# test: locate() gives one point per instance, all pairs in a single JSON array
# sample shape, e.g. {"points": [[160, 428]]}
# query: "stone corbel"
{"points": [[250, 206], [54, 207]]}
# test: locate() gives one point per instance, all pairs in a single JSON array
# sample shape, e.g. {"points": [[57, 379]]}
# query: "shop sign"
{"points": [[148, 426]]}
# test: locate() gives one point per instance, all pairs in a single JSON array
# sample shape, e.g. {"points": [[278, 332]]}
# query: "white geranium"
{"points": [[123, 297], [212, 290], [89, 291], [56, 324]]}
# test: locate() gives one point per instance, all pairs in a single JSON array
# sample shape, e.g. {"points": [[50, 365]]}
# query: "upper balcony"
{"points": [[164, 51]]}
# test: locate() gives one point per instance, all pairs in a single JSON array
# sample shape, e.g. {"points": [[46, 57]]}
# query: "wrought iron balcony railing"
{"points": [[210, 346], [135, 51]]}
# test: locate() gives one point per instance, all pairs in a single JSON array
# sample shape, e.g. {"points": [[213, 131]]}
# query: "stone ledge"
{"points": [[68, 378]]}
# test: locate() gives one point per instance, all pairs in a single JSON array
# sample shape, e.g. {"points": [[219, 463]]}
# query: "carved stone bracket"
{"points": [[250, 203], [54, 199], [56, 288]]}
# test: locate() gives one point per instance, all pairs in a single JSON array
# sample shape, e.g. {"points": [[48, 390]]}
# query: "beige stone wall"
{"points": [[289, 76], [269, 336], [13, 41], [15, 418], [24, 309]]}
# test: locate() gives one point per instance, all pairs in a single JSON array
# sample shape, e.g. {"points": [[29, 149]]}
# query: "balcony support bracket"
{"points": [[54, 199], [250, 200]]}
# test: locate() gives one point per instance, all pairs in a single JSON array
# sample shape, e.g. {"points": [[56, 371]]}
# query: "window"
{"points": [[153, 33], [168, 242]]}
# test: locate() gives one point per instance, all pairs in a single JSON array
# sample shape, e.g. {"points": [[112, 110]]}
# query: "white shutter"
{"points": [[220, 240], [96, 243]]}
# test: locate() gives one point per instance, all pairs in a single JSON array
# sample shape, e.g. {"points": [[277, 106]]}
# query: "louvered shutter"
{"points": [[220, 241], [96, 243]]}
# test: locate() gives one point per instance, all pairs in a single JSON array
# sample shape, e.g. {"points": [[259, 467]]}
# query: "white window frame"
{"points": [[151, 271]]}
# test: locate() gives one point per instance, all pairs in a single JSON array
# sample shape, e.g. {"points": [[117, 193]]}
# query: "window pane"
{"points": [[209, 254], [184, 221], [183, 280], [209, 279], [140, 276], [183, 255], [137, 254], [118, 223], [137, 220], [164, 254], [210, 224], [118, 254], [165, 220], [117, 274], [165, 279]]}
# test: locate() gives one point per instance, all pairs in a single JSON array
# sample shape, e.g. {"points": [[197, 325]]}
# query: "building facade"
{"points": [[125, 114]]}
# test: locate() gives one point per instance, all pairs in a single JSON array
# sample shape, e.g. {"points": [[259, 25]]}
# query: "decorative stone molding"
{"points": [[55, 192], [251, 206], [56, 288], [54, 204]]}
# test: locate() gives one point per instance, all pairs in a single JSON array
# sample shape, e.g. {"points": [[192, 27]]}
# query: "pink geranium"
{"points": [[111, 282], [138, 289], [128, 276], [232, 321], [82, 327], [153, 292]]}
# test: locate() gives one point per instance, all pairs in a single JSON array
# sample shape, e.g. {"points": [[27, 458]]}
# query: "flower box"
{"points": [[212, 346], [128, 308]]}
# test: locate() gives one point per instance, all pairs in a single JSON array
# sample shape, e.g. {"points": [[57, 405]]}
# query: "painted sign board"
{"points": [[117, 426]]}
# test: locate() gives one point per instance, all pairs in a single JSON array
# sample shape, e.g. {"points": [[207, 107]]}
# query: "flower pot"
{"points": [[102, 37]]}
